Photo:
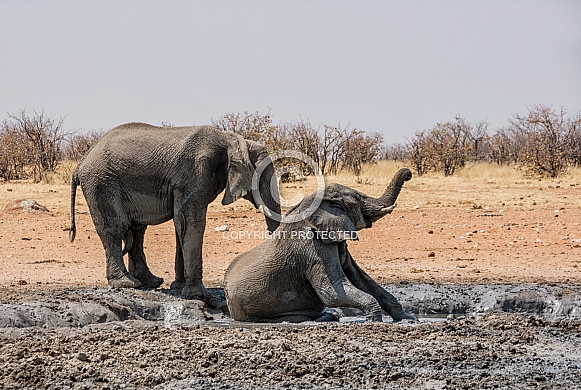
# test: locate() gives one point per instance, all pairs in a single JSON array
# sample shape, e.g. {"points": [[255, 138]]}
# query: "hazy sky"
{"points": [[382, 66]]}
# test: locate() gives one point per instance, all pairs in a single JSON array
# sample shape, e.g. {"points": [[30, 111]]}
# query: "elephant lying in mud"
{"points": [[138, 175], [306, 266]]}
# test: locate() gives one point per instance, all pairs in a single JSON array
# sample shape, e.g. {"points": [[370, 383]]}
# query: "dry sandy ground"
{"points": [[447, 230]]}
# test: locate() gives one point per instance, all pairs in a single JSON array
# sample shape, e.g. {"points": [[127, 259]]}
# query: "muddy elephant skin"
{"points": [[306, 265]]}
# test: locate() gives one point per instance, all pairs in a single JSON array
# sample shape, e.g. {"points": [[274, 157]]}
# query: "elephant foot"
{"points": [[199, 292], [329, 316], [402, 315], [149, 280], [177, 285], [125, 281]]}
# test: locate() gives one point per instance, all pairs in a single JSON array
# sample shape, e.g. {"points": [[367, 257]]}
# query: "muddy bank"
{"points": [[74, 308], [499, 336], [551, 302], [499, 350]]}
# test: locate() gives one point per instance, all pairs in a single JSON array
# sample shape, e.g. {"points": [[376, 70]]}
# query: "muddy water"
{"points": [[497, 336]]}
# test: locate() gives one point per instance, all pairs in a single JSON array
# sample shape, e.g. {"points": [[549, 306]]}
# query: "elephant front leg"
{"points": [[364, 282], [191, 235], [180, 280], [335, 290], [344, 294], [137, 262]]}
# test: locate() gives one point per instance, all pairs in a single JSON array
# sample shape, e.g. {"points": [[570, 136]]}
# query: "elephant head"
{"points": [[343, 211], [244, 156]]}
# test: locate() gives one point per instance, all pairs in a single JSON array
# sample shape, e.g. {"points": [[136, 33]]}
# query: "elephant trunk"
{"points": [[393, 189], [265, 193], [378, 207], [271, 200]]}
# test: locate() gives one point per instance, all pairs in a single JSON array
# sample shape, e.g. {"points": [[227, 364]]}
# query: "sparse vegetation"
{"points": [[544, 142], [30, 141], [79, 144], [332, 148]]}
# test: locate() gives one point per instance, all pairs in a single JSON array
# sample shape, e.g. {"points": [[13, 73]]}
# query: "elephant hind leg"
{"points": [[117, 275], [137, 262], [111, 222]]}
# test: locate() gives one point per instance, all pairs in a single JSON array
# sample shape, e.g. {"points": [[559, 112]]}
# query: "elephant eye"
{"points": [[338, 205]]}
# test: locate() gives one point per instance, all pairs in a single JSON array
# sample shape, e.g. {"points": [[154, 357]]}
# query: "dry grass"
{"points": [[476, 185]]}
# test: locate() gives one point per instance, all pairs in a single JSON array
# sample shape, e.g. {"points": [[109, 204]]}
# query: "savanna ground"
{"points": [[486, 225]]}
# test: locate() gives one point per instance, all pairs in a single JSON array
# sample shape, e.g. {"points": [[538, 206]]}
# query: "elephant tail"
{"points": [[74, 183]]}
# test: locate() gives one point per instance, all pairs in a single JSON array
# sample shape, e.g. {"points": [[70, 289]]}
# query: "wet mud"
{"points": [[481, 336]]}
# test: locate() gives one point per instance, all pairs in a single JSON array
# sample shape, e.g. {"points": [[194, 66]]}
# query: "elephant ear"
{"points": [[332, 224], [240, 171]]}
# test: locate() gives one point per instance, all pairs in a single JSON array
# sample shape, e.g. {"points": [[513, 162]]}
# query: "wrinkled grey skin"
{"points": [[139, 175], [293, 278]]}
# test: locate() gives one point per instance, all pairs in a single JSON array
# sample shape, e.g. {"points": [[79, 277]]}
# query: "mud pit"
{"points": [[481, 336]]}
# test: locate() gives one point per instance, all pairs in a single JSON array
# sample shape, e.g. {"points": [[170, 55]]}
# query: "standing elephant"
{"points": [[305, 266], [139, 175]]}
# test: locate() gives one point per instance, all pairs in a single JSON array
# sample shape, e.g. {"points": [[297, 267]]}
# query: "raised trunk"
{"points": [[393, 189], [376, 208]]}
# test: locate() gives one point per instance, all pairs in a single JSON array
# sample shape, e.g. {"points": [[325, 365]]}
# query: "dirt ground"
{"points": [[461, 230], [446, 230]]}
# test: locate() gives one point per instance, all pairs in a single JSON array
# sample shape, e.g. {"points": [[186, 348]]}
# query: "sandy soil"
{"points": [[447, 230]]}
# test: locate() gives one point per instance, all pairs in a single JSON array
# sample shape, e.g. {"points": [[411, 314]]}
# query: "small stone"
{"points": [[83, 357], [222, 228], [432, 254], [37, 360]]}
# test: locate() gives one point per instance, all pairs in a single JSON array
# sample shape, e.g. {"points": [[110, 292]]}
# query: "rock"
{"points": [[222, 228], [83, 357], [26, 206], [37, 360]]}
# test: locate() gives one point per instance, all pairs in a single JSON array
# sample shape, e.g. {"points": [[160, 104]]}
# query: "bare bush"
{"points": [[361, 149], [395, 152], [332, 148], [79, 144], [502, 148], [13, 156], [250, 125], [546, 137], [418, 153], [39, 137], [445, 147]]}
